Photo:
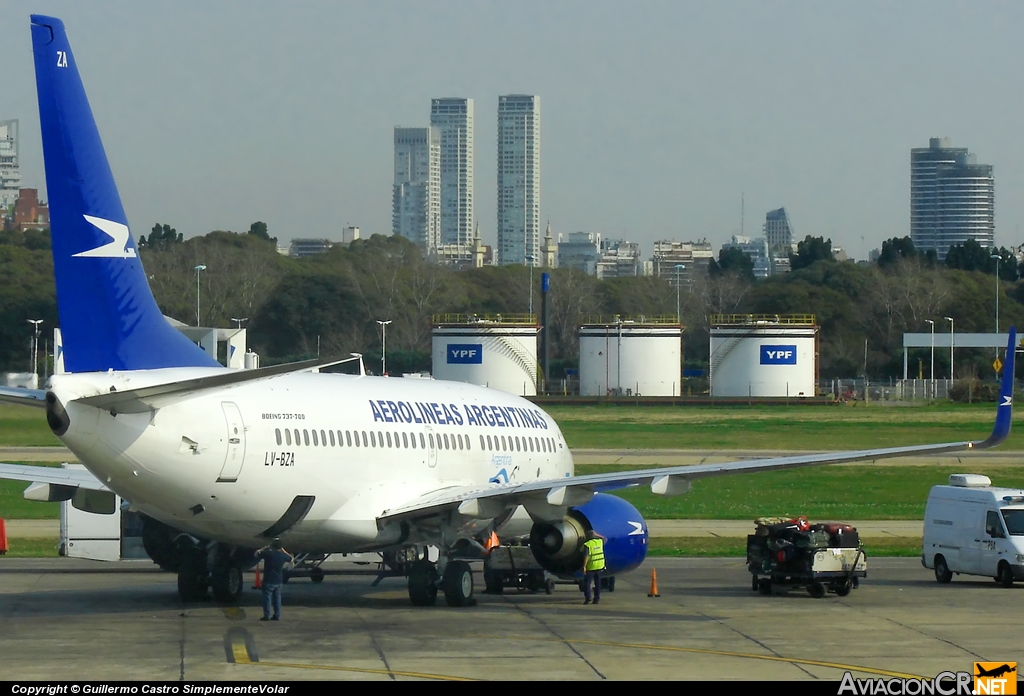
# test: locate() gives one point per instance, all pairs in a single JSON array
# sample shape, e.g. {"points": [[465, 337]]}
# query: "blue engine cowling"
{"points": [[558, 546]]}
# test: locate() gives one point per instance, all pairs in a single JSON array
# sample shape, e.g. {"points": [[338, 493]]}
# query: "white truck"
{"points": [[973, 528]]}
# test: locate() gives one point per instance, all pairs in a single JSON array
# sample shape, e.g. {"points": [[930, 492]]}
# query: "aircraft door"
{"points": [[236, 444], [431, 447]]}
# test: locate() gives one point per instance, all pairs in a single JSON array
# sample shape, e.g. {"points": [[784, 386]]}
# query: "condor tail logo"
{"points": [[119, 248]]}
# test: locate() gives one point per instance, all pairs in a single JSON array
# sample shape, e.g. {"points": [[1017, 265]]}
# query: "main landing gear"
{"points": [[206, 566], [455, 581]]}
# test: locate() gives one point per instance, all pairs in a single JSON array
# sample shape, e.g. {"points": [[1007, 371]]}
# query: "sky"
{"points": [[657, 118]]}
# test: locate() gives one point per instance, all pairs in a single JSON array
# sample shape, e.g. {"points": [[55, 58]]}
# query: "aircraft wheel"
{"points": [[423, 584], [1005, 576], [942, 572], [316, 575], [226, 582], [458, 584]]}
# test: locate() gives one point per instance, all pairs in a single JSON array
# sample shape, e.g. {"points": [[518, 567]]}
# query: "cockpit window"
{"points": [[1014, 520]]}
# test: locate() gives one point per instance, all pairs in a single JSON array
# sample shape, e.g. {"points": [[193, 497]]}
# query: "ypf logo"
{"points": [[995, 678], [778, 355], [465, 354]]}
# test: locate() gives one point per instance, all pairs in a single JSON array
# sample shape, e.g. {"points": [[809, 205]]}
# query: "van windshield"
{"points": [[1014, 522]]}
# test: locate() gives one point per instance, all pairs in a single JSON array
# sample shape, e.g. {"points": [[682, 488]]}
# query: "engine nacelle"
{"points": [[558, 546]]}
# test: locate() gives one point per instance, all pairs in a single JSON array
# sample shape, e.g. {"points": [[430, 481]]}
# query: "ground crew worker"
{"points": [[593, 565], [274, 557]]}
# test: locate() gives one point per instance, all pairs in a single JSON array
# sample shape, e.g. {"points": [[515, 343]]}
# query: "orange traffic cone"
{"points": [[654, 584], [3, 537], [258, 584]]}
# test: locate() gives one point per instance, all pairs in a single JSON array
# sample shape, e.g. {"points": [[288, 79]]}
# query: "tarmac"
{"points": [[82, 620]]}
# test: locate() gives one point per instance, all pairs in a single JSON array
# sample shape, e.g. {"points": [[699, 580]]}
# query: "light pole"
{"points": [[199, 268], [239, 321], [35, 349], [997, 257], [931, 374], [679, 283], [384, 346], [950, 320]]}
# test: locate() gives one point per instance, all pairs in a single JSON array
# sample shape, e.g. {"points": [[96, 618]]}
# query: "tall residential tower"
{"points": [[416, 197], [952, 198], [453, 117], [10, 175], [519, 180]]}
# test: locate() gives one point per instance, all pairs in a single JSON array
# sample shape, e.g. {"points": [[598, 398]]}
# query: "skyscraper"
{"points": [[952, 198], [777, 231], [416, 197], [453, 117], [519, 179], [10, 175]]}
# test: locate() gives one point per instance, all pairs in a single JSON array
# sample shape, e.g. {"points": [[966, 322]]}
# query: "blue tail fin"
{"points": [[108, 317], [1004, 411]]}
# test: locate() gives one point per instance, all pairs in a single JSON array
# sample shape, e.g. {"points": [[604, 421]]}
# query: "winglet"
{"points": [[1004, 412]]}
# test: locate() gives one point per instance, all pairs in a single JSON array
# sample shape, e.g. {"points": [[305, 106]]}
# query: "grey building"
{"points": [[10, 175], [777, 231], [453, 117], [416, 194], [580, 250], [519, 179], [952, 198]]}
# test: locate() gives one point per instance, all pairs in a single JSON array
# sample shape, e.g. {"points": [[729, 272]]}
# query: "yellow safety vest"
{"points": [[595, 555]]}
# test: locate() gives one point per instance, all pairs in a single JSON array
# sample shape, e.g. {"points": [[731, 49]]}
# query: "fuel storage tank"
{"points": [[763, 355], [622, 356], [492, 350]]}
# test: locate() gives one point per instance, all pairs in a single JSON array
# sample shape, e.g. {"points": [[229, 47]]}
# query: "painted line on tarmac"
{"points": [[240, 649], [722, 653]]}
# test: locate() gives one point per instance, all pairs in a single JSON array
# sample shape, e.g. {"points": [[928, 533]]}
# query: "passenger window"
{"points": [[389, 439], [305, 437], [992, 525], [482, 445], [445, 436], [467, 443], [490, 445], [288, 436], [357, 438], [348, 439], [530, 441], [405, 441], [331, 433], [298, 438], [423, 442], [323, 438], [461, 446], [431, 436], [365, 441], [315, 442], [373, 439], [277, 434], [519, 444], [504, 445]]}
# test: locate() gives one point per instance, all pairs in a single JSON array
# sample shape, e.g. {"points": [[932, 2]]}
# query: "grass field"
{"points": [[29, 547], [827, 427], [24, 426], [14, 507]]}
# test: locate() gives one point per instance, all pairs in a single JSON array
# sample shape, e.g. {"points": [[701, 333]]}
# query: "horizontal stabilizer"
{"points": [[150, 398], [73, 477], [25, 397]]}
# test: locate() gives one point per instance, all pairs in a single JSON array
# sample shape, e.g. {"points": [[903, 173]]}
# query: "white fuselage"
{"points": [[226, 465]]}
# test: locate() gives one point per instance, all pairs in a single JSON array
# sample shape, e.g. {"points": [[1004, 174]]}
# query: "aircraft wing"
{"points": [[489, 502], [25, 397], [73, 478]]}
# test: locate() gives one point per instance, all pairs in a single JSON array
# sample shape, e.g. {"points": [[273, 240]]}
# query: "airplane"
{"points": [[219, 461], [995, 671]]}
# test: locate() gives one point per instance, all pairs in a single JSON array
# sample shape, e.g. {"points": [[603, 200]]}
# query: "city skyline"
{"points": [[658, 120]]}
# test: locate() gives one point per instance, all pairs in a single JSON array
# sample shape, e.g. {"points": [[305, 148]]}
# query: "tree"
{"points": [[895, 249], [161, 237], [809, 251], [732, 261], [259, 230]]}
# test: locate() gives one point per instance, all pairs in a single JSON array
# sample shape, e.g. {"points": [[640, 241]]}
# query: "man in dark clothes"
{"points": [[274, 558]]}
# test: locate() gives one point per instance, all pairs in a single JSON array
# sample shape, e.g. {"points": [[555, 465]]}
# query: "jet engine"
{"points": [[558, 546]]}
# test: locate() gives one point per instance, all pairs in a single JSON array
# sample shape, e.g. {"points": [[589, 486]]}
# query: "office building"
{"points": [[952, 198], [519, 180], [580, 250], [453, 118], [29, 212], [416, 194], [758, 251], [619, 259], [777, 231], [10, 174], [694, 258]]}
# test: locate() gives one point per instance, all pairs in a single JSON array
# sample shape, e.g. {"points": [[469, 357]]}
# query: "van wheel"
{"points": [[942, 572], [1005, 576]]}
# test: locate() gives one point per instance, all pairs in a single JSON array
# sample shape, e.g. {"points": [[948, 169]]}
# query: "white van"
{"points": [[975, 529]]}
